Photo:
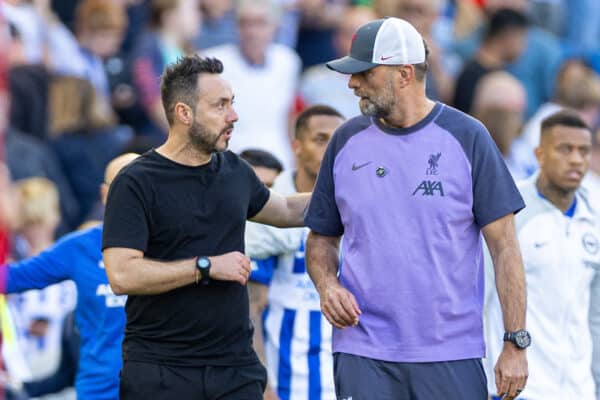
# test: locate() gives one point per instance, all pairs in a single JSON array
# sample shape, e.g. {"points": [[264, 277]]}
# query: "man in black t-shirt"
{"points": [[174, 241]]}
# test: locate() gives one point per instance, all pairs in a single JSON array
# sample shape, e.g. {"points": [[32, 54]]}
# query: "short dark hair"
{"points": [[179, 82], [563, 118], [261, 158], [313, 111], [421, 68], [503, 20]]}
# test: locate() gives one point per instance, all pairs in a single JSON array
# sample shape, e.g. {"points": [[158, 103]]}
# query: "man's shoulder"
{"points": [[457, 122], [349, 129]]}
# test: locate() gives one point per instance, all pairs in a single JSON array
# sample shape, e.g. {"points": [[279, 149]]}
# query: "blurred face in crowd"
{"points": [[353, 19], [513, 43], [375, 88], [564, 156], [501, 115], [312, 142], [257, 27], [103, 43], [214, 115], [420, 13], [185, 18], [266, 175]]}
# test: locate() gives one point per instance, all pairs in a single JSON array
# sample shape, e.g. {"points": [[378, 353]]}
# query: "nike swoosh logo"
{"points": [[355, 167], [538, 245], [386, 58]]}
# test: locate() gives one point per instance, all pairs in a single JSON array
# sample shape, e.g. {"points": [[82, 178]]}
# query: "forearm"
{"points": [[257, 293], [296, 205], [143, 276], [283, 212], [510, 284], [322, 259]]}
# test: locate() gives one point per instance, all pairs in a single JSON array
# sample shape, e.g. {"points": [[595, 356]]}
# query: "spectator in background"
{"points": [[423, 14], [559, 237], [295, 339], [219, 24], [46, 39], [504, 41], [100, 27], [266, 166], [28, 88], [84, 136], [39, 314], [317, 23], [503, 117], [577, 87], [173, 25], [536, 66], [319, 84], [264, 76]]}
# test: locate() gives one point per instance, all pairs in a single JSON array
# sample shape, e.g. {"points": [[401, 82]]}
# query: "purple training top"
{"points": [[410, 203]]}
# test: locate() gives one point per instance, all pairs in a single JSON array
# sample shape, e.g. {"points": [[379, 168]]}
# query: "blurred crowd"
{"points": [[79, 85]]}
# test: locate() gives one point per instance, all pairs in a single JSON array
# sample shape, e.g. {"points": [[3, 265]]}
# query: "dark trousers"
{"points": [[360, 378], [144, 381]]}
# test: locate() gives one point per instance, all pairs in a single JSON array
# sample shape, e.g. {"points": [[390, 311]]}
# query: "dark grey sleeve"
{"points": [[494, 191], [322, 215], [125, 218]]}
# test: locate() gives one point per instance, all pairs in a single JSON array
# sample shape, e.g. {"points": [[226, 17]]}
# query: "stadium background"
{"points": [[79, 84]]}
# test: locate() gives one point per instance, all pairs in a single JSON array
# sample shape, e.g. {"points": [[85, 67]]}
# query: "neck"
{"points": [[489, 56], [38, 237], [560, 198], [252, 56], [410, 114], [303, 181], [177, 148]]}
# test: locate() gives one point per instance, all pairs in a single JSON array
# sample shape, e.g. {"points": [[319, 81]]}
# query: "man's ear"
{"points": [[183, 114]]}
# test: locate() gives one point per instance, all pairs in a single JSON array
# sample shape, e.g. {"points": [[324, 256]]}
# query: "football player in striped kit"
{"points": [[296, 337]]}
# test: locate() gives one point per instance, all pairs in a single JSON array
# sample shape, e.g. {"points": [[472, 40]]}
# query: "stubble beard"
{"points": [[204, 140], [380, 106]]}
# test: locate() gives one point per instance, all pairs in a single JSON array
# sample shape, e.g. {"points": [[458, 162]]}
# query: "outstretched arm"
{"points": [[283, 212]]}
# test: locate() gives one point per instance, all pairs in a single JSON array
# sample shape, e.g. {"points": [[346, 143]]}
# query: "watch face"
{"points": [[203, 262], [522, 339]]}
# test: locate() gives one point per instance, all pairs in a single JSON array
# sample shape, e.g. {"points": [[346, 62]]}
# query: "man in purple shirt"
{"points": [[411, 185]]}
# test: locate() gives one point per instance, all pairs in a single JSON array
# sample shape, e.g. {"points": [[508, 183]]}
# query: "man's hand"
{"points": [[511, 372], [233, 266], [338, 305]]}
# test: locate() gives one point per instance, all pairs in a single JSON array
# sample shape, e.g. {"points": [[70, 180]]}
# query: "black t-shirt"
{"points": [[170, 212], [464, 91]]}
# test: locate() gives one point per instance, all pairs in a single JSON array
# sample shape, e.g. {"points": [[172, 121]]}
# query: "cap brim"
{"points": [[349, 65]]}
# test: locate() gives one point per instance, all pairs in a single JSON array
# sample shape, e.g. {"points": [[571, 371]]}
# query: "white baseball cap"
{"points": [[387, 41]]}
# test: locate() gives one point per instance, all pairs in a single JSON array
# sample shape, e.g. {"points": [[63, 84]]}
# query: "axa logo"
{"points": [[429, 188]]}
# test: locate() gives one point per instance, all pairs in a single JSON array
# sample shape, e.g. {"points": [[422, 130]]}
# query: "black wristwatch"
{"points": [[203, 265], [520, 338]]}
